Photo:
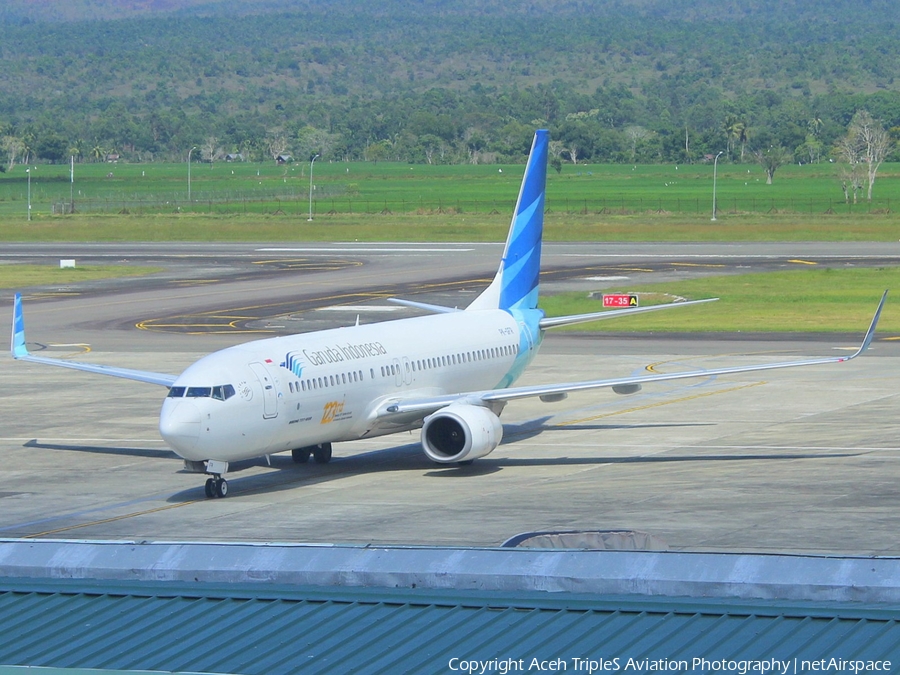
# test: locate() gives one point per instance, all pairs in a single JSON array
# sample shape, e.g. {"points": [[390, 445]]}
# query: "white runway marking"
{"points": [[357, 308], [364, 250]]}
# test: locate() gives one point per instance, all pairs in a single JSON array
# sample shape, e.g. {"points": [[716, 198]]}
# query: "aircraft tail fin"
{"points": [[515, 285]]}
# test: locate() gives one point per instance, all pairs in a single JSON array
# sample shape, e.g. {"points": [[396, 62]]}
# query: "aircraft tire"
{"points": [[322, 453], [210, 488], [300, 455], [221, 487]]}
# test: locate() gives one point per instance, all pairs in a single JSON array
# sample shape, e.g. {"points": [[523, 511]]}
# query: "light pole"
{"points": [[28, 173], [715, 166], [311, 186], [189, 173]]}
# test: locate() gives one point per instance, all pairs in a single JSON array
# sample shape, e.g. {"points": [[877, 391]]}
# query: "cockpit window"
{"points": [[223, 392]]}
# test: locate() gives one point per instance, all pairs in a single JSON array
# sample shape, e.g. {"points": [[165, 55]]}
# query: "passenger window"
{"points": [[176, 392]]}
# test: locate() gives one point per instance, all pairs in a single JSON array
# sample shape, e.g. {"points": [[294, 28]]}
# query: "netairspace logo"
{"points": [[695, 665]]}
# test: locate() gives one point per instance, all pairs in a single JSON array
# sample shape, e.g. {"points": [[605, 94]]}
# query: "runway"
{"points": [[801, 460]]}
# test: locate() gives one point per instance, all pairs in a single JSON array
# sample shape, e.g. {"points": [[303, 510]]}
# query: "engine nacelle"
{"points": [[459, 433]]}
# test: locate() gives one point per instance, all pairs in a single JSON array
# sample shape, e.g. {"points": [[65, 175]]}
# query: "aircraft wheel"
{"points": [[210, 488], [221, 487], [300, 455], [322, 453]]}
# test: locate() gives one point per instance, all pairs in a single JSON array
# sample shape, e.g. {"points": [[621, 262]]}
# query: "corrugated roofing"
{"points": [[268, 629]]}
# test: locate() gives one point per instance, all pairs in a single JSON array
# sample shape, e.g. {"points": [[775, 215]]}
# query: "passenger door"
{"points": [[270, 395]]}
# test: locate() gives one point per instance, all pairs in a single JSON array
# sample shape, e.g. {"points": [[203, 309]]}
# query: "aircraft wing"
{"points": [[555, 321], [20, 352], [426, 406]]}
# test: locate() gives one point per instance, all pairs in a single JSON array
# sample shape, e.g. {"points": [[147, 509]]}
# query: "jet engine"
{"points": [[460, 433]]}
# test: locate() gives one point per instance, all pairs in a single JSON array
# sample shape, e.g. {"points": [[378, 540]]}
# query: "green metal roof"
{"points": [[268, 629]]}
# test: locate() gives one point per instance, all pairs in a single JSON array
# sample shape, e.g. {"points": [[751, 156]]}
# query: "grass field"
{"points": [[451, 227], [808, 300], [389, 188], [21, 276]]}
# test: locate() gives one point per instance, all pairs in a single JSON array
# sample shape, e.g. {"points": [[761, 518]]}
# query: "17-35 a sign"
{"points": [[620, 300]]}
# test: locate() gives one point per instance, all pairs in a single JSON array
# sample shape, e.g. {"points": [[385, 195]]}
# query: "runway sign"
{"points": [[620, 300]]}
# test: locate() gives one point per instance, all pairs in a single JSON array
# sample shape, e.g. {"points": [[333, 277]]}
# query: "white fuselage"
{"points": [[283, 393]]}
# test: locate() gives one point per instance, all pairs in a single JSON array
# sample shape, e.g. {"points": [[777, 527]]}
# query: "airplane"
{"points": [[450, 373]]}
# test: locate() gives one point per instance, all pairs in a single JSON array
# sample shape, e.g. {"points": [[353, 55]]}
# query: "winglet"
{"points": [[870, 334], [17, 343]]}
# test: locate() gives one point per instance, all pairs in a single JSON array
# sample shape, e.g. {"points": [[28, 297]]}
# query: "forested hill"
{"points": [[442, 80]]}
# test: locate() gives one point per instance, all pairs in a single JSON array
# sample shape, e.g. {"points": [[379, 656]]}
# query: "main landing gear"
{"points": [[321, 453]]}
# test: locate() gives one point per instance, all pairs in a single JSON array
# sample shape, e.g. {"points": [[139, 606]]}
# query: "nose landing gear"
{"points": [[216, 486]]}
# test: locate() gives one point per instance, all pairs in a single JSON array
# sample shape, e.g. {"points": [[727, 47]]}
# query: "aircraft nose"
{"points": [[179, 425]]}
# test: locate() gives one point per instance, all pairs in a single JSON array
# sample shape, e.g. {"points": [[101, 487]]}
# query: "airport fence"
{"points": [[294, 204]]}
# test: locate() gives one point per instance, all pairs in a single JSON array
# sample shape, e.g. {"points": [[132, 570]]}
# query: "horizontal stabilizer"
{"points": [[556, 321], [435, 309]]}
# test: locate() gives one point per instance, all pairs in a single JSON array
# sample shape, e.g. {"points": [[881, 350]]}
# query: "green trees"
{"points": [[52, 147], [771, 159], [453, 82]]}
